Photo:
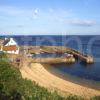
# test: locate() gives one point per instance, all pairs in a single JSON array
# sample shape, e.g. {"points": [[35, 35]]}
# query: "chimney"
{"points": [[11, 39], [6, 38]]}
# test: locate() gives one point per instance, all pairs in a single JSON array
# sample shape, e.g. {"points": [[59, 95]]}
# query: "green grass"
{"points": [[14, 87], [96, 98]]}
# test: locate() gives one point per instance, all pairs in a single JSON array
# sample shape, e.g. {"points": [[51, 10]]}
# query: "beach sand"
{"points": [[38, 72]]}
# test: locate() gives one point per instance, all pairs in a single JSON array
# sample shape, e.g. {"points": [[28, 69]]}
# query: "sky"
{"points": [[49, 17]]}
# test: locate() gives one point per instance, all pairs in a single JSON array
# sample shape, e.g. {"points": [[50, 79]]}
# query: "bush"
{"points": [[71, 97], [3, 56], [14, 87], [96, 98]]}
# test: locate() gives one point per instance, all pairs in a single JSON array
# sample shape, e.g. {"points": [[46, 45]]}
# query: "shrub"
{"points": [[96, 98], [14, 87]]}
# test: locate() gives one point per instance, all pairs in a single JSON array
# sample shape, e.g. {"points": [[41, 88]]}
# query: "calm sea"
{"points": [[85, 44]]}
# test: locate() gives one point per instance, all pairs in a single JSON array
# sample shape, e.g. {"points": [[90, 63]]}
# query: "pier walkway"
{"points": [[83, 57], [57, 49], [51, 60]]}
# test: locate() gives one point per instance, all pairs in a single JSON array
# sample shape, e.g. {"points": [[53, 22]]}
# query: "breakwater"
{"points": [[53, 60], [59, 50]]}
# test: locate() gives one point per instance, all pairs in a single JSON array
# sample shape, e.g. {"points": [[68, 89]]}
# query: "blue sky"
{"points": [[23, 17]]}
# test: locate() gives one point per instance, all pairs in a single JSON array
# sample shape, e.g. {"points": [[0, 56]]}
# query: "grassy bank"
{"points": [[14, 87]]}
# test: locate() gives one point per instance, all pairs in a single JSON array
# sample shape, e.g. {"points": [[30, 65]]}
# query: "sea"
{"points": [[87, 44]]}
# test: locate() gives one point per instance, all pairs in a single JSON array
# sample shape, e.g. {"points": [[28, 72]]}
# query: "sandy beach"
{"points": [[38, 72]]}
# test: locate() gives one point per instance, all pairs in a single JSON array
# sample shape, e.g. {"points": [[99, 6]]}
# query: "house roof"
{"points": [[1, 41], [10, 48], [6, 41]]}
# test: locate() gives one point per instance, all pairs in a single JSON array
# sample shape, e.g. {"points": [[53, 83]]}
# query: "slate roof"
{"points": [[6, 41]]}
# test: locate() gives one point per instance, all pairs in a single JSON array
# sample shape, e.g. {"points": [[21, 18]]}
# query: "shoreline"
{"points": [[40, 73], [78, 80]]}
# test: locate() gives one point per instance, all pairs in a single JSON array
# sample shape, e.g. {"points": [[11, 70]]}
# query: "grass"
{"points": [[14, 87]]}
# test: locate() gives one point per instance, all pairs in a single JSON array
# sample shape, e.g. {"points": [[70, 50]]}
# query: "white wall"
{"points": [[13, 52], [11, 42]]}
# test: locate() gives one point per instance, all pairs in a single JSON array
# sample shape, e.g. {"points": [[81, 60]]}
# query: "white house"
{"points": [[10, 46]]}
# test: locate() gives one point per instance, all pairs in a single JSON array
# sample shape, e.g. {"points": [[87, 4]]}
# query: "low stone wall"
{"points": [[53, 60], [60, 49]]}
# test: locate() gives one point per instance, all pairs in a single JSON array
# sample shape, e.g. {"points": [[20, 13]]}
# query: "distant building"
{"points": [[9, 46], [1, 41]]}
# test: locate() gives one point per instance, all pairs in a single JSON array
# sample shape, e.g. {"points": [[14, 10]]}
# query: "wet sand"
{"points": [[49, 78]]}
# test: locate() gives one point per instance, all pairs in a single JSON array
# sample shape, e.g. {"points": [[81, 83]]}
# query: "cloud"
{"points": [[21, 13], [20, 20], [78, 22], [36, 11], [10, 10]]}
